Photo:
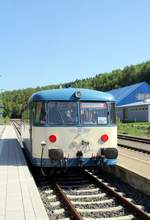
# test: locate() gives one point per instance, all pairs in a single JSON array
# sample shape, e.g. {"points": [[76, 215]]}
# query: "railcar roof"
{"points": [[68, 95]]}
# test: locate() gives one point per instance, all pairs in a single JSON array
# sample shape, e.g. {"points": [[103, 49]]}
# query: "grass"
{"points": [[4, 121], [134, 128]]}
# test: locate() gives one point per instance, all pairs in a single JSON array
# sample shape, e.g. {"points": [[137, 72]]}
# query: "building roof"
{"points": [[68, 95], [145, 102], [123, 92]]}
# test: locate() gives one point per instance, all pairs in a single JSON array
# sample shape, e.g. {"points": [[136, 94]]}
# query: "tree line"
{"points": [[15, 103]]}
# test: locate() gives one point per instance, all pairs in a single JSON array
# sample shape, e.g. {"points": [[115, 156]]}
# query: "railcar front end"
{"points": [[71, 128]]}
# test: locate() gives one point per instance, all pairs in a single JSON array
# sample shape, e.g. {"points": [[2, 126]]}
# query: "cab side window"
{"points": [[39, 114]]}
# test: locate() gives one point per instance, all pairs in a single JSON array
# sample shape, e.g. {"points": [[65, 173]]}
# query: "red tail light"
{"points": [[52, 138], [104, 137]]}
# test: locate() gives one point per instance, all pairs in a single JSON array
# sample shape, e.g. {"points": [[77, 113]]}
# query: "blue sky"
{"points": [[56, 41]]}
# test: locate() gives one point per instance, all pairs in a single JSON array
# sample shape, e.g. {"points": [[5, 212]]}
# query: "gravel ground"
{"points": [[106, 214], [46, 202], [49, 208], [91, 200], [96, 206]]}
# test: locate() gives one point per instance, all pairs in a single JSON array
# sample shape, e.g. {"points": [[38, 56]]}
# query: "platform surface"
{"points": [[135, 164], [19, 196]]}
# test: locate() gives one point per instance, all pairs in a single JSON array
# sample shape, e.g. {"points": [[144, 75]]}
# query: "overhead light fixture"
{"points": [[77, 94]]}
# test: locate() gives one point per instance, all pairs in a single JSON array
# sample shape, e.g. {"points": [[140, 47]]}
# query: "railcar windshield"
{"points": [[63, 113], [94, 113]]}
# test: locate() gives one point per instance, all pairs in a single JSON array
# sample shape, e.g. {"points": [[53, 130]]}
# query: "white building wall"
{"points": [[148, 113], [119, 113], [135, 113], [138, 113]]}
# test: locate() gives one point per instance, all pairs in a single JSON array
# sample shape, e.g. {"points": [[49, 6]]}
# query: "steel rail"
{"points": [[134, 148], [137, 139], [134, 209], [16, 127], [72, 210]]}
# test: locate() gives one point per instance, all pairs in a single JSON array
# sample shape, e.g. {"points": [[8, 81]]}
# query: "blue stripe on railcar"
{"points": [[110, 162], [73, 162]]}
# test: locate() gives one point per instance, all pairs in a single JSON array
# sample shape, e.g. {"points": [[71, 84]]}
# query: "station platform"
{"points": [[136, 165], [19, 196]]}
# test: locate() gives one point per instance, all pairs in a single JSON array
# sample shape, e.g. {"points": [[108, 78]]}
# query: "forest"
{"points": [[15, 103]]}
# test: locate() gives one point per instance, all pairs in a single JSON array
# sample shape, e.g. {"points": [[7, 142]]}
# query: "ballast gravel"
{"points": [[128, 191]]}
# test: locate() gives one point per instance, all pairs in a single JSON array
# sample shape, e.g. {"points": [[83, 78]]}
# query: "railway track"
{"points": [[81, 195], [140, 144], [132, 138], [17, 124]]}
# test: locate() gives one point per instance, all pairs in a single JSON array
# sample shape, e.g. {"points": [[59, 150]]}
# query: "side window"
{"points": [[39, 114], [31, 106]]}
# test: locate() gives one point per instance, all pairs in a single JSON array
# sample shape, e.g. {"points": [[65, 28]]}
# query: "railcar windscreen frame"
{"points": [[58, 113]]}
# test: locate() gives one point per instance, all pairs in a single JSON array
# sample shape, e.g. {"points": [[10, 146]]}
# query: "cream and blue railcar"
{"points": [[71, 127]]}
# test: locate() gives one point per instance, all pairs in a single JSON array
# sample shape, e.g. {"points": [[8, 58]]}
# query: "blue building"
{"points": [[130, 94], [133, 102]]}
